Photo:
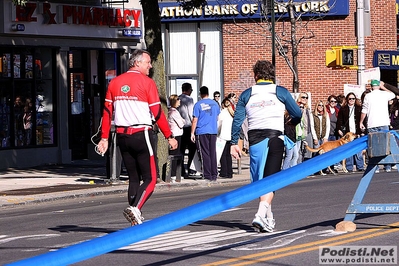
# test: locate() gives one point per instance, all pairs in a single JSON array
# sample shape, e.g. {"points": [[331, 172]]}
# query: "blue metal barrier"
{"points": [[196, 212], [381, 144]]}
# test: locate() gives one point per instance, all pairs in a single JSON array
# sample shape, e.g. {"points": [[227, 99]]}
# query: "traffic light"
{"points": [[341, 56], [331, 58], [346, 57]]}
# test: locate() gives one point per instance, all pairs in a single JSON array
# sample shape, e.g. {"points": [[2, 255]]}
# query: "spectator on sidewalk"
{"points": [[264, 104], [332, 111], [224, 132], [233, 99], [176, 124], [321, 127], [349, 121], [306, 123], [394, 113], [340, 100], [204, 131], [289, 132], [186, 111], [375, 108], [216, 98], [321, 124], [300, 133]]}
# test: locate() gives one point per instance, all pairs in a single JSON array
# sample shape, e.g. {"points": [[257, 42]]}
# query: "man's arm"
{"points": [[163, 125], [106, 122], [389, 87], [362, 117], [239, 116], [290, 104], [190, 108], [193, 127]]}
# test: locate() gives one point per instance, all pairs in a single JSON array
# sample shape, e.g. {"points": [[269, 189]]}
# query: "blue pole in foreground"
{"points": [[196, 212]]}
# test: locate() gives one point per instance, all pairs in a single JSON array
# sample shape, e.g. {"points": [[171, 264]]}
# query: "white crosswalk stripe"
{"points": [[213, 239], [184, 239]]}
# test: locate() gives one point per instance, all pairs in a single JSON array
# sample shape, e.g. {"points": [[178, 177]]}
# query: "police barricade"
{"points": [[383, 149], [101, 245]]}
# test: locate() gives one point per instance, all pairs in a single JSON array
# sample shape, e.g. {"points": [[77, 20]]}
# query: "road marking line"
{"points": [[232, 209], [243, 260], [171, 239]]}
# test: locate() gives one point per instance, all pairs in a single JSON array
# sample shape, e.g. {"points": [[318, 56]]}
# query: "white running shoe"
{"points": [[133, 215], [271, 223], [263, 224]]}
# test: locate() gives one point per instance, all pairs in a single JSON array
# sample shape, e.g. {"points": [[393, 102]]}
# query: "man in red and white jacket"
{"points": [[133, 99]]}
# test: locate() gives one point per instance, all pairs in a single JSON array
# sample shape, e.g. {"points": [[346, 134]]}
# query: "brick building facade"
{"points": [[243, 44]]}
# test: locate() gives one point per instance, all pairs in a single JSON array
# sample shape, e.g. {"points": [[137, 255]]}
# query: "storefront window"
{"points": [[26, 97], [110, 66]]}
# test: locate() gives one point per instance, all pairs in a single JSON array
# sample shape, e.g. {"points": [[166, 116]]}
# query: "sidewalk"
{"points": [[83, 178]]}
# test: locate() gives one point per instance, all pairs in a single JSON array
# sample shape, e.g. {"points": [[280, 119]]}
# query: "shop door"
{"points": [[78, 117]]}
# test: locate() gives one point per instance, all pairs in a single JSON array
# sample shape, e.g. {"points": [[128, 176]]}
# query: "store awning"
{"points": [[386, 59]]}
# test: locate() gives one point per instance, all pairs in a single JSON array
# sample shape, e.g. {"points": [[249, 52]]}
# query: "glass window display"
{"points": [[26, 97]]}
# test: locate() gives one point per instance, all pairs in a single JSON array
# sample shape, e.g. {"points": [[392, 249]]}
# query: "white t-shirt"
{"points": [[375, 105], [352, 125]]}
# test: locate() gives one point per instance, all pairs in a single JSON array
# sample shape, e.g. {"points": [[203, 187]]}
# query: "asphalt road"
{"points": [[306, 214]]}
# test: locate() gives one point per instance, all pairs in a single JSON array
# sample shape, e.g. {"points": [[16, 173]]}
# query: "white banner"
{"points": [[369, 74]]}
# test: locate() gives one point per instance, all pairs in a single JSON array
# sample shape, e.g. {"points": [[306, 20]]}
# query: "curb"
{"points": [[13, 201]]}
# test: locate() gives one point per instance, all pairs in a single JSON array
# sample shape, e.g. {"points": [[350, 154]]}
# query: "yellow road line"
{"points": [[301, 248]]}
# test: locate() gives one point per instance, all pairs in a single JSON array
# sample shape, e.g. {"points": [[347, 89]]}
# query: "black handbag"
{"points": [[343, 129]]}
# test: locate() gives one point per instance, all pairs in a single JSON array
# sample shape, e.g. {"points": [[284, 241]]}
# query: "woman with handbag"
{"points": [[225, 123], [349, 121], [176, 123]]}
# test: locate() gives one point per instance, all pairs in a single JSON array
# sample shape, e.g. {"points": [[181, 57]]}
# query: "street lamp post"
{"points": [[268, 6], [360, 41], [273, 19]]}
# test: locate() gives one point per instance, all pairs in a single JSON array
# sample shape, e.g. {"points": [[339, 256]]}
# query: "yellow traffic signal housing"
{"points": [[331, 58], [341, 56]]}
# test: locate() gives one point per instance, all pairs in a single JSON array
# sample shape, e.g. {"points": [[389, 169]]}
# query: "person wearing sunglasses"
{"points": [[300, 137], [349, 121], [332, 111], [306, 124], [321, 128], [216, 98]]}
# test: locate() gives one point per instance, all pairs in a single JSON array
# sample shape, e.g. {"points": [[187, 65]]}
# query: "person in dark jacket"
{"points": [[289, 132], [349, 121], [332, 110]]}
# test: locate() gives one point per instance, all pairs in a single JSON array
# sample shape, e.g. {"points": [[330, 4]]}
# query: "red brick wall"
{"points": [[245, 43]]}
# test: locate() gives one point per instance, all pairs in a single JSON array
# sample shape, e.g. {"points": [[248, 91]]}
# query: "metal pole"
{"points": [[273, 18], [360, 42], [202, 52], [113, 168]]}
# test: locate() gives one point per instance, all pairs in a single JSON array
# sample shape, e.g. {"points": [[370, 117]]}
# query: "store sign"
{"points": [[18, 27], [46, 14], [76, 20], [131, 33], [386, 59], [236, 9]]}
